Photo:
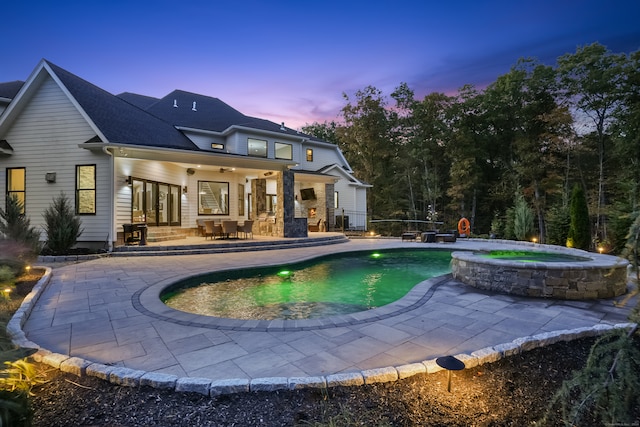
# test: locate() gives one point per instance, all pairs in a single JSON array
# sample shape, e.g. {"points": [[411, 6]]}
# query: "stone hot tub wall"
{"points": [[601, 276]]}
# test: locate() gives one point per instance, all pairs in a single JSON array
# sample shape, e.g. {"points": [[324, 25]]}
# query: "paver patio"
{"points": [[89, 310]]}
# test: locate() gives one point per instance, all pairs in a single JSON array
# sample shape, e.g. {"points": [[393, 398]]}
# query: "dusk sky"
{"points": [[292, 60]]}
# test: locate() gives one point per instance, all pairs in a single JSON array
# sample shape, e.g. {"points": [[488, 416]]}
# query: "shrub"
{"points": [[606, 389], [19, 242], [579, 229], [558, 223], [523, 218], [61, 225]]}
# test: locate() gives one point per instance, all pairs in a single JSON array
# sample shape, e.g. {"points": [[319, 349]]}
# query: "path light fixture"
{"points": [[450, 363]]}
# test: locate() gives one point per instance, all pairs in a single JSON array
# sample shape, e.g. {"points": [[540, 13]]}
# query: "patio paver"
{"points": [[88, 310]]}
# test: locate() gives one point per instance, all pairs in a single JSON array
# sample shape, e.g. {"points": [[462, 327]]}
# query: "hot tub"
{"points": [[570, 274]]}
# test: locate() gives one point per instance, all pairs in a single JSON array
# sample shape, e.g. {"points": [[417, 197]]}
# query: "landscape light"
{"points": [[450, 363]]}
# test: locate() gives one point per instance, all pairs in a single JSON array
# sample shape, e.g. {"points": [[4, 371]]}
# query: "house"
{"points": [[165, 162]]}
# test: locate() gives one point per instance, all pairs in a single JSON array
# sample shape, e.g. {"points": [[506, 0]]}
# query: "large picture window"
{"points": [[284, 151], [213, 198], [16, 184], [257, 147], [86, 189]]}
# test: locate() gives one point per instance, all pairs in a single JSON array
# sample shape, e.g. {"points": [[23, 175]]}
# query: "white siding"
{"points": [[322, 156], [45, 138], [171, 173]]}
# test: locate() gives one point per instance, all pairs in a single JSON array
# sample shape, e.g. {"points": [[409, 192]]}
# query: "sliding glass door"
{"points": [[155, 203]]}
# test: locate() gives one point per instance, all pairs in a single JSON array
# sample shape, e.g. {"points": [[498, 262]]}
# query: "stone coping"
{"points": [[133, 378]]}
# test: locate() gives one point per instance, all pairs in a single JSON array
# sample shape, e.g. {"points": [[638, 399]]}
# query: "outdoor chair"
{"points": [[229, 228], [200, 225], [246, 228]]}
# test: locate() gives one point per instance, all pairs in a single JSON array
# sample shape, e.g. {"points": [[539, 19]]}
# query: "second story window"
{"points": [[309, 155], [257, 147], [16, 184], [284, 151]]}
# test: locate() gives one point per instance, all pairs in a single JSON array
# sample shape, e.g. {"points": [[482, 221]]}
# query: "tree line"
{"points": [[532, 137]]}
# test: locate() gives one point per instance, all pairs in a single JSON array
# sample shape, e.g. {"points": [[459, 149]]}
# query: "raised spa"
{"points": [[554, 273], [326, 286]]}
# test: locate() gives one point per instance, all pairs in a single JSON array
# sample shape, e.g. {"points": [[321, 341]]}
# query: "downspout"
{"points": [[111, 198]]}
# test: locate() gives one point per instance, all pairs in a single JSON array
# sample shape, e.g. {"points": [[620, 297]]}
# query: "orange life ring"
{"points": [[464, 227]]}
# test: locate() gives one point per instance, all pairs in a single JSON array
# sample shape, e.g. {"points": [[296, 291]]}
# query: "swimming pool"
{"points": [[326, 286]]}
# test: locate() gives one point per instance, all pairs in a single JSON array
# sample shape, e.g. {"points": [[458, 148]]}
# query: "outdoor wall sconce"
{"points": [[128, 181], [50, 177], [184, 190], [450, 363]]}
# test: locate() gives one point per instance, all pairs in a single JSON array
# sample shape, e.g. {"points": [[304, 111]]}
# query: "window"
{"points": [[335, 200], [257, 147], [309, 154], [217, 146], [284, 151], [272, 202], [86, 189], [213, 198], [16, 184]]}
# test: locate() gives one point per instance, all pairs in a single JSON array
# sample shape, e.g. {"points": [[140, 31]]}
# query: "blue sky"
{"points": [[291, 60]]}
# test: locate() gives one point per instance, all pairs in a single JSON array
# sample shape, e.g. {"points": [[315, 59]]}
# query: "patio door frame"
{"points": [[160, 202]]}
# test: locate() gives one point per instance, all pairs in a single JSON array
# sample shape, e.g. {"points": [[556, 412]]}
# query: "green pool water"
{"points": [[333, 285], [532, 256]]}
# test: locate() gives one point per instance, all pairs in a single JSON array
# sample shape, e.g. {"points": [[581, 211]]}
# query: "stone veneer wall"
{"points": [[286, 225], [601, 277]]}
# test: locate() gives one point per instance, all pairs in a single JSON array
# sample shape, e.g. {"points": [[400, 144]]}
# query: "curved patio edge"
{"points": [[133, 378]]}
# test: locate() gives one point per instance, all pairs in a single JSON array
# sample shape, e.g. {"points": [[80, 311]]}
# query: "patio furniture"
{"points": [[315, 227], [135, 234], [212, 229], [200, 226], [246, 228], [229, 228], [409, 235]]}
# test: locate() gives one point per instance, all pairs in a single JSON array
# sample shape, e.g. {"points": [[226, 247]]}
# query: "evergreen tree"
{"points": [[16, 226], [523, 218], [579, 230], [61, 225]]}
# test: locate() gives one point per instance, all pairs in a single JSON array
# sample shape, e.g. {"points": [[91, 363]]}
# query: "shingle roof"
{"points": [[141, 101], [210, 113], [120, 121], [10, 89]]}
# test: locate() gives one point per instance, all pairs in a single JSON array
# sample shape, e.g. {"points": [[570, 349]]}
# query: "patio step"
{"points": [[165, 234], [236, 246]]}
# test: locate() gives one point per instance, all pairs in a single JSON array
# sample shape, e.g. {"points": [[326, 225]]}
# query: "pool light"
{"points": [[376, 255], [285, 274]]}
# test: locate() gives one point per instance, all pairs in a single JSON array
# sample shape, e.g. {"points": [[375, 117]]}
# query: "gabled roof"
{"points": [[9, 90], [209, 113], [344, 172], [194, 111], [119, 121]]}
